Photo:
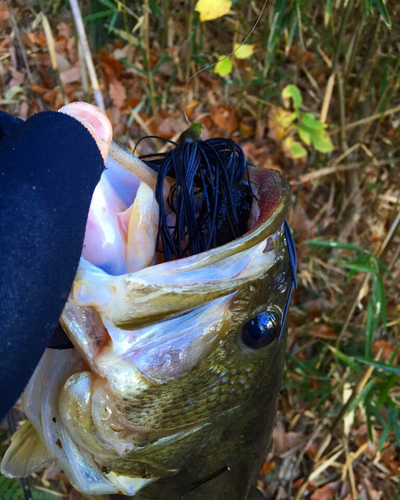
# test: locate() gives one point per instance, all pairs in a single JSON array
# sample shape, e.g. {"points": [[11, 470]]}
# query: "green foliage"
{"points": [[11, 489], [224, 66], [376, 396], [311, 131]]}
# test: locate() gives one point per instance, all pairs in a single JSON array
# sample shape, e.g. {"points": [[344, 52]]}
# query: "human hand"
{"points": [[49, 167]]}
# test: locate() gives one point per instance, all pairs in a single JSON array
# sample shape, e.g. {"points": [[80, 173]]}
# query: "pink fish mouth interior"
{"points": [[122, 224]]}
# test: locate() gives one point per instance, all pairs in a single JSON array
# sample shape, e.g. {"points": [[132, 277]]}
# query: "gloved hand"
{"points": [[49, 167]]}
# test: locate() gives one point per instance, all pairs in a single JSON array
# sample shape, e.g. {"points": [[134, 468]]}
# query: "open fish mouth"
{"points": [[159, 353]]}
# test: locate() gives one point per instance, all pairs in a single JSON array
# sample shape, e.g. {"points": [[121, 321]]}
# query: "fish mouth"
{"points": [[160, 321], [119, 310]]}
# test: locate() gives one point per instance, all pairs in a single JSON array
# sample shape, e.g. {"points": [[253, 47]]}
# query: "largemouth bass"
{"points": [[171, 390]]}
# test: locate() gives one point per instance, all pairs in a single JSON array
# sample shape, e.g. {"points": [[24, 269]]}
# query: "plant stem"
{"points": [[146, 10], [80, 28]]}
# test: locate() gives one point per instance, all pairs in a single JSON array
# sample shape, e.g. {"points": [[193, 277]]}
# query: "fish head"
{"points": [[172, 358]]}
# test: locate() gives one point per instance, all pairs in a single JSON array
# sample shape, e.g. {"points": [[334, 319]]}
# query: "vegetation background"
{"points": [[334, 132]]}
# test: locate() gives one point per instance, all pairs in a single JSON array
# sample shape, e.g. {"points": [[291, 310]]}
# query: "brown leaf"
{"points": [[117, 93], [36, 39], [3, 13], [267, 467], [322, 331], [224, 118], [51, 95], [111, 66], [62, 63], [283, 441], [300, 56], [38, 89], [371, 493], [299, 220], [70, 76], [315, 307], [327, 492], [387, 348]]}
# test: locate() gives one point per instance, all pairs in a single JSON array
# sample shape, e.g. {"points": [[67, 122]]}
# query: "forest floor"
{"points": [[337, 434]]}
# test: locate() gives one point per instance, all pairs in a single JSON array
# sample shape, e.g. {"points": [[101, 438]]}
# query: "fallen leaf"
{"points": [[322, 331], [51, 95], [224, 66], [36, 38], [284, 441], [170, 126], [280, 122], [224, 118], [300, 56], [267, 467], [298, 483], [315, 307], [212, 9], [327, 492], [17, 78], [371, 492], [243, 51], [300, 221], [70, 76], [3, 13], [117, 93], [111, 66], [62, 63], [387, 348]]}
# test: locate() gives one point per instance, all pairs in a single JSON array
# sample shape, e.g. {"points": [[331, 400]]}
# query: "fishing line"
{"points": [[223, 59], [208, 204]]}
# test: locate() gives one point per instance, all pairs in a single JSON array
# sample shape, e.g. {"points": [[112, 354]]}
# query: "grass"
{"points": [[340, 399]]}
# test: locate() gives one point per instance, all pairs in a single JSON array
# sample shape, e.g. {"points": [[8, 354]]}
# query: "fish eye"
{"points": [[261, 330]]}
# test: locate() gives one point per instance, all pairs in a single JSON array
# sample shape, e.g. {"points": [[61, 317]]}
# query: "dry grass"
{"points": [[337, 434]]}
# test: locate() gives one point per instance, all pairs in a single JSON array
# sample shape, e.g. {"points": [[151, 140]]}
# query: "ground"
{"points": [[336, 65]]}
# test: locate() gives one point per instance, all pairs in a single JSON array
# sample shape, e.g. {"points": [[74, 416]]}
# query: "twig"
{"points": [[368, 119], [311, 176], [51, 46], [327, 98], [80, 28], [146, 9], [20, 42]]}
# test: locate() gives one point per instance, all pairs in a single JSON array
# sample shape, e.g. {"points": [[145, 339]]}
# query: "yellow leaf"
{"points": [[243, 51], [281, 123], [212, 9], [224, 66]]}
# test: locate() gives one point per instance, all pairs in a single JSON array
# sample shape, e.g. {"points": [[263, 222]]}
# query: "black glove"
{"points": [[49, 167]]}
